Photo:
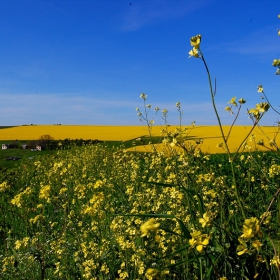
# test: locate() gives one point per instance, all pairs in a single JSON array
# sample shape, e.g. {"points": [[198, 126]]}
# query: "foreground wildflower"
{"points": [[227, 108], [266, 218], [232, 101], [18, 199], [151, 273], [45, 192], [195, 43], [199, 240], [149, 226], [251, 230], [276, 62], [4, 186], [143, 96], [260, 88], [274, 170], [275, 261], [206, 220], [194, 53], [259, 110], [242, 101]]}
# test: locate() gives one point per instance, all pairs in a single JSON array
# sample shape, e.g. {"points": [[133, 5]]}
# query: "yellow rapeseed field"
{"points": [[60, 132], [211, 137], [210, 134]]}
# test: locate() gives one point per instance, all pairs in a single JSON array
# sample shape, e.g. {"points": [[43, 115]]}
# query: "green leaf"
{"points": [[184, 229], [191, 194], [159, 184]]}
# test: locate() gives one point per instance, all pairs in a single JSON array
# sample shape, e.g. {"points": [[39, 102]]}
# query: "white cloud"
{"points": [[60, 108], [18, 109]]}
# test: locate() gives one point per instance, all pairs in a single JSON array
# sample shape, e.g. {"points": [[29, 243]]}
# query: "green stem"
{"points": [[249, 133], [270, 104], [233, 123], [236, 189]]}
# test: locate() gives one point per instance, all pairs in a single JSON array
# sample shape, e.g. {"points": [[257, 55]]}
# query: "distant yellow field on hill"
{"points": [[210, 134], [58, 132]]}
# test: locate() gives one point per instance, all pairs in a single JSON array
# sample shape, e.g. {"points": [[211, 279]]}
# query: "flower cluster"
{"points": [[257, 112], [275, 261], [233, 103], [276, 63], [149, 226], [251, 230], [274, 170], [199, 240], [195, 43]]}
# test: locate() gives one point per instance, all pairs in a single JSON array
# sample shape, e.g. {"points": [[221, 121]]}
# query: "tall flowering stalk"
{"points": [[197, 53]]}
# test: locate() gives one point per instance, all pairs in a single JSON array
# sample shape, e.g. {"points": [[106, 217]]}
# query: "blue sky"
{"points": [[88, 61]]}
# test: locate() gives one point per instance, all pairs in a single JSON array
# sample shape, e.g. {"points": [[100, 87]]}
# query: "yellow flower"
{"points": [[254, 112], [194, 53], [199, 248], [4, 186], [247, 233], [45, 192], [232, 101], [264, 106], [260, 108], [143, 96], [239, 253], [205, 220], [199, 240], [195, 41], [227, 108], [148, 226], [242, 247], [274, 170], [251, 228], [257, 244], [260, 88], [151, 272], [242, 101], [22, 243], [17, 244], [276, 62], [203, 243], [275, 261], [266, 217], [17, 200]]}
